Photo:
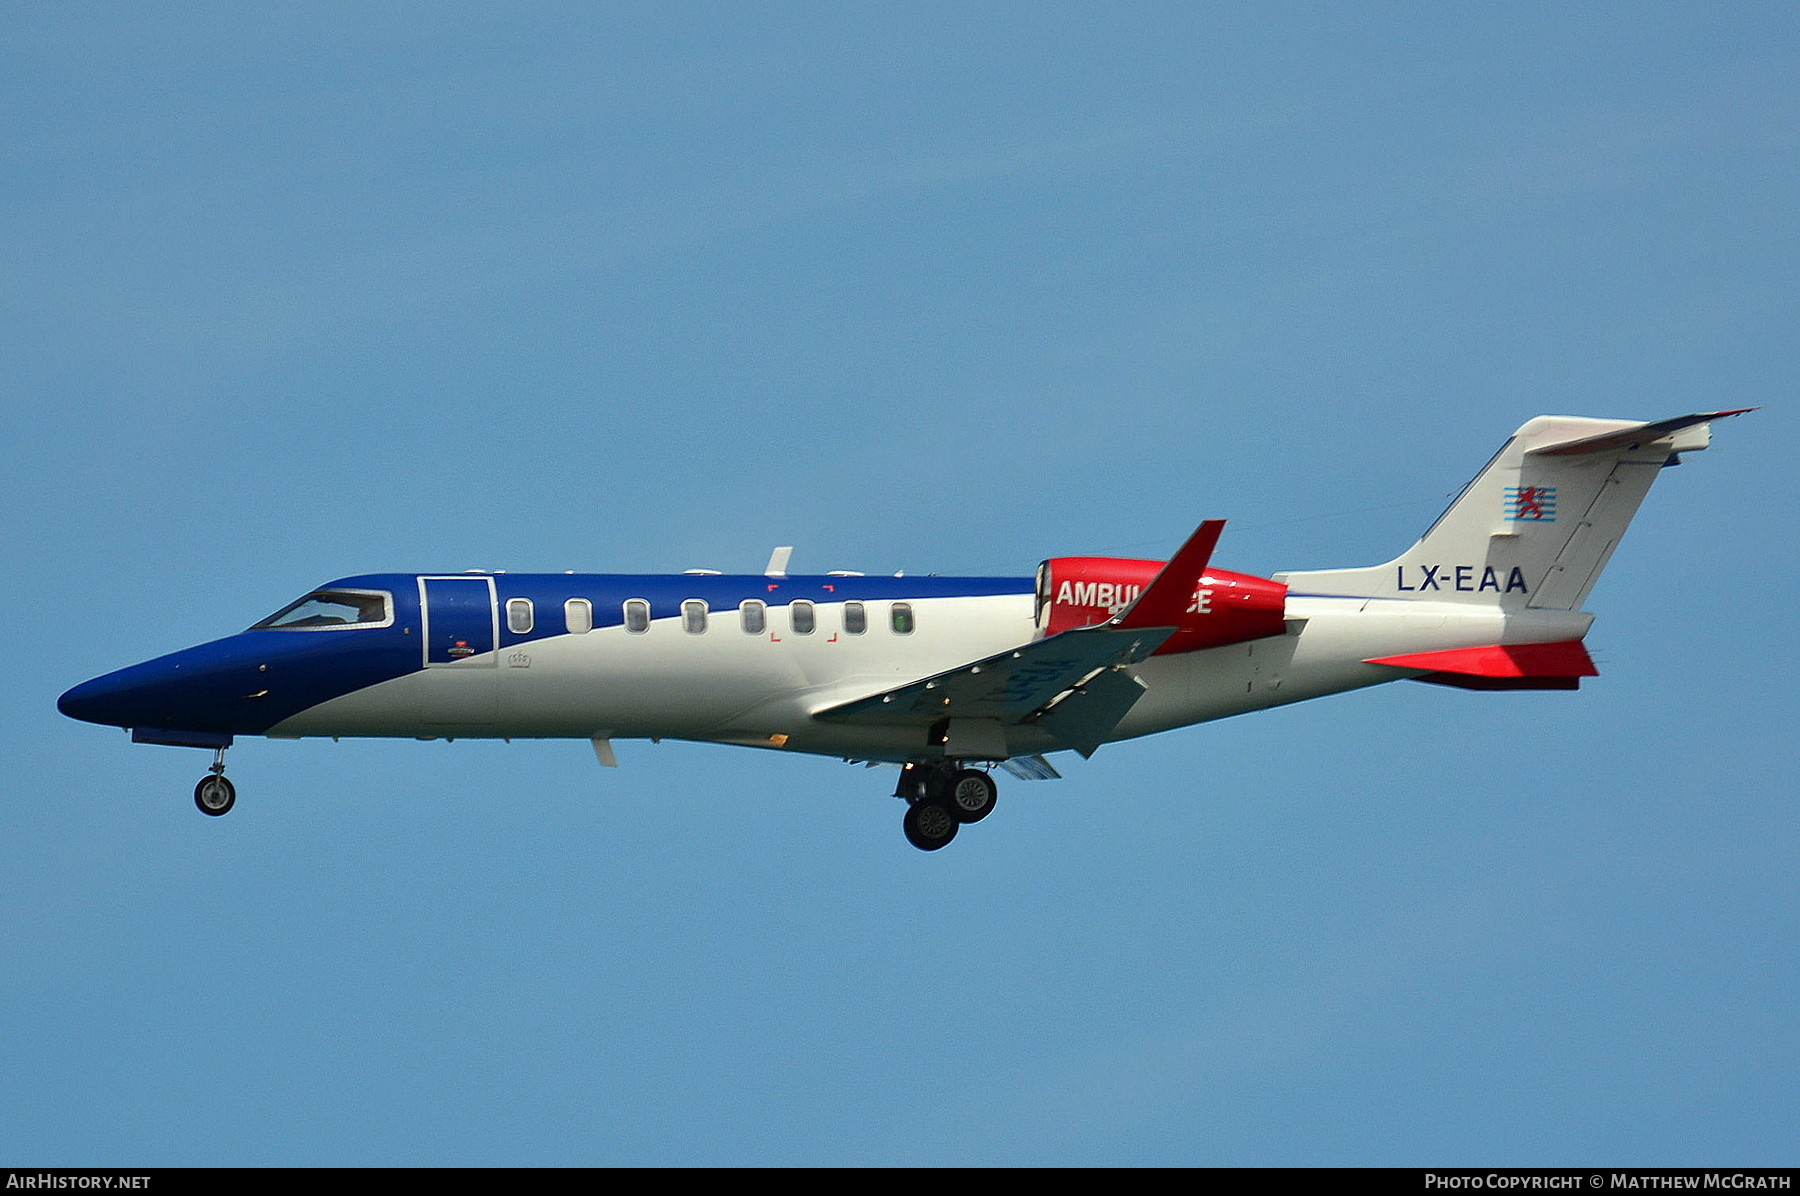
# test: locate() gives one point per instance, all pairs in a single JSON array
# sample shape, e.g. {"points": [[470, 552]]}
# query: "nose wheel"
{"points": [[215, 795]]}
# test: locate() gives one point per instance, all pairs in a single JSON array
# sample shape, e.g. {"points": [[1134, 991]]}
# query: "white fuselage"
{"points": [[724, 685]]}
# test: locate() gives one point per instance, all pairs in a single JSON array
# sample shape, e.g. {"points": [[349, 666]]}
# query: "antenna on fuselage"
{"points": [[778, 562]]}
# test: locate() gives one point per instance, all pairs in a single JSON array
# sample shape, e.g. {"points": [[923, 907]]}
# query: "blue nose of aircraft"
{"points": [[105, 700], [199, 689], [243, 684], [157, 693]]}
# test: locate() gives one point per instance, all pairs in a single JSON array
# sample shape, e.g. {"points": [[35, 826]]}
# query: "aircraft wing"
{"points": [[1070, 685], [1012, 686]]}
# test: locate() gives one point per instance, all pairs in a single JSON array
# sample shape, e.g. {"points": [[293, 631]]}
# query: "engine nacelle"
{"points": [[1228, 608]]}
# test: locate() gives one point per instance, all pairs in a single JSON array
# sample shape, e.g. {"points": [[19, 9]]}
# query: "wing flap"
{"points": [[1031, 768], [1086, 716], [1009, 686]]}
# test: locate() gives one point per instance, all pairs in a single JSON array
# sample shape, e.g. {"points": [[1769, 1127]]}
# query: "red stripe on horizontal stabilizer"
{"points": [[1568, 658]]}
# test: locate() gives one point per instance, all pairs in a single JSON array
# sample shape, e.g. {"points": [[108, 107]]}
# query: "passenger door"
{"points": [[459, 620], [460, 629]]}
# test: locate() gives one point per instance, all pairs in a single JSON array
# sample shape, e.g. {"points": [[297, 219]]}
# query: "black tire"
{"points": [[929, 826], [215, 795], [970, 795]]}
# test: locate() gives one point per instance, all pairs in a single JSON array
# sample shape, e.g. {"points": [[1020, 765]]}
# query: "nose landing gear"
{"points": [[215, 795]]}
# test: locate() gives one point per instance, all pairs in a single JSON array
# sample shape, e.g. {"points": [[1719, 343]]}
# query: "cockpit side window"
{"points": [[332, 610]]}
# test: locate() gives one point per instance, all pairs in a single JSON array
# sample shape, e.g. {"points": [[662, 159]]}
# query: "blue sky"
{"points": [[291, 293]]}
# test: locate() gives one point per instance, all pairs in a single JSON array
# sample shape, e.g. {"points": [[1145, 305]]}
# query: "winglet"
{"points": [[1168, 599]]}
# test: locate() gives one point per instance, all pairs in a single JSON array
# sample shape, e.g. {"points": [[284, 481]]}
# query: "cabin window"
{"points": [[578, 616], [901, 618], [753, 614], [693, 616], [856, 618], [519, 616], [801, 617], [333, 609], [637, 615]]}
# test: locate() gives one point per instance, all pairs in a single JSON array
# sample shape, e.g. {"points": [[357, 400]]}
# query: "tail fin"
{"points": [[1537, 525]]}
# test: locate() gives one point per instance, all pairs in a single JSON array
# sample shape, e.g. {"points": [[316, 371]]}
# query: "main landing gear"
{"points": [[214, 794], [940, 798]]}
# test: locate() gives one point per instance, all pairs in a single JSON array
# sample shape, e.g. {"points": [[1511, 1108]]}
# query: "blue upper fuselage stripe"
{"points": [[717, 589], [608, 592]]}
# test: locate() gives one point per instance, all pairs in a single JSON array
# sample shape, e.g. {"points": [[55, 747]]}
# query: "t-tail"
{"points": [[1536, 526]]}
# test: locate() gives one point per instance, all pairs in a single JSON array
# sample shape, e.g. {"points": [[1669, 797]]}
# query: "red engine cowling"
{"points": [[1228, 608]]}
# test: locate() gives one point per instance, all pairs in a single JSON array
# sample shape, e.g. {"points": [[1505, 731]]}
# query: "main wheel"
{"points": [[972, 795], [215, 795], [929, 826]]}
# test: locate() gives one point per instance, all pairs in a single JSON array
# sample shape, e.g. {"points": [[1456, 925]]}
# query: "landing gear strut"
{"points": [[940, 798], [214, 794]]}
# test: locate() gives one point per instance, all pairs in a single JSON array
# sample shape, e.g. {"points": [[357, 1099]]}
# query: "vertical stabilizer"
{"points": [[1536, 526]]}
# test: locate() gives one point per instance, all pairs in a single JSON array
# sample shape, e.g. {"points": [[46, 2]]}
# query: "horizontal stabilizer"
{"points": [[1636, 436], [1502, 666]]}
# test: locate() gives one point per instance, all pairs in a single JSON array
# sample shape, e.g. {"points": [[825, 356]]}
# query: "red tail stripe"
{"points": [[1569, 658]]}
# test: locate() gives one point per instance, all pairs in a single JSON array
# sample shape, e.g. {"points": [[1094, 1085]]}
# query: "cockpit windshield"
{"points": [[333, 609]]}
